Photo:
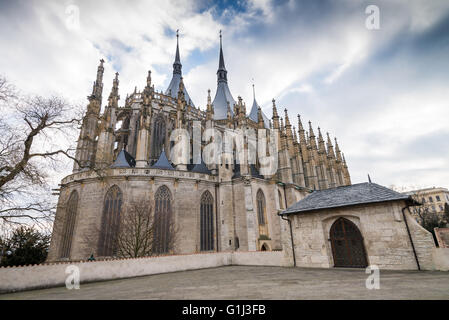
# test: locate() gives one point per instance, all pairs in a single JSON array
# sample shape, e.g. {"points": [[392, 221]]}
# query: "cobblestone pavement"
{"points": [[246, 282]]}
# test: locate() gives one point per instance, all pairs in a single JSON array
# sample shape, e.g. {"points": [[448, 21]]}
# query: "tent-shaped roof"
{"points": [[124, 160], [201, 168], [162, 162], [254, 116]]}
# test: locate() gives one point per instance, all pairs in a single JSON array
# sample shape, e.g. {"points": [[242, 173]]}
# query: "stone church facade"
{"points": [[125, 153]]}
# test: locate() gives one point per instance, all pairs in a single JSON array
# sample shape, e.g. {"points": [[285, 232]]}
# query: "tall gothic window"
{"points": [[158, 137], [261, 213], [207, 222], [163, 224], [110, 222], [69, 225]]}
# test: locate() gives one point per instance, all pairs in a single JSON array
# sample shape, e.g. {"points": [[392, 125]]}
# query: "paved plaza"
{"points": [[247, 282]]}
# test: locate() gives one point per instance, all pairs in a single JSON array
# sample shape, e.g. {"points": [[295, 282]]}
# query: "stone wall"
{"points": [[54, 274], [441, 258], [384, 232], [234, 211]]}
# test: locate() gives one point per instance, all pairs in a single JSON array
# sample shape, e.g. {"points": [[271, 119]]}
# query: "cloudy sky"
{"points": [[383, 93]]}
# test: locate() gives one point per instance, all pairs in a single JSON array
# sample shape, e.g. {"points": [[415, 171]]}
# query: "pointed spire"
{"points": [[149, 79], [223, 94], [330, 147], [210, 108], [311, 134], [260, 122], [300, 128], [275, 117], [275, 112], [114, 96], [177, 66], [287, 120], [312, 137], [369, 179], [97, 89], [322, 148], [337, 151], [295, 137], [174, 85], [221, 73]]}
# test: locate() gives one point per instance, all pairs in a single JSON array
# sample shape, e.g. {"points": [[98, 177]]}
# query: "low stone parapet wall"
{"points": [[441, 258], [55, 274]]}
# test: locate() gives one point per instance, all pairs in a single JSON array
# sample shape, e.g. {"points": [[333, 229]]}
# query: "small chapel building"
{"points": [[355, 226]]}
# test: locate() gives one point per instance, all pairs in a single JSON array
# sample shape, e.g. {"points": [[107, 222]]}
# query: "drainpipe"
{"points": [[290, 226], [291, 237], [217, 224], [409, 235]]}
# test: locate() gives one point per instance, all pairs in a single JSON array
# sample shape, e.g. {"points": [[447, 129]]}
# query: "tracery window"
{"points": [[163, 224], [69, 225], [207, 222], [110, 222], [158, 137], [261, 213]]}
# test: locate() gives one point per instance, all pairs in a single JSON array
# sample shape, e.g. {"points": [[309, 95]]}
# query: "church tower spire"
{"points": [[223, 95], [177, 66], [222, 73], [173, 87]]}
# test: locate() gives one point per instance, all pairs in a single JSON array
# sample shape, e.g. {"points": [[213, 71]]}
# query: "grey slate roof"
{"points": [[222, 96], [253, 115], [162, 162], [201, 168], [173, 89], [124, 160], [361, 193]]}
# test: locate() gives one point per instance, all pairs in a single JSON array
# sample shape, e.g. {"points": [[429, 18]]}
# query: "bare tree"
{"points": [[426, 216], [138, 233], [29, 147]]}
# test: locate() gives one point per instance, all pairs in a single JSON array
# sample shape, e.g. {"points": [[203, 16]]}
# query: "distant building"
{"points": [[432, 199]]}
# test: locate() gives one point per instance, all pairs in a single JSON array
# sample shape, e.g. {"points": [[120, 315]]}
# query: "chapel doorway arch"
{"points": [[347, 245]]}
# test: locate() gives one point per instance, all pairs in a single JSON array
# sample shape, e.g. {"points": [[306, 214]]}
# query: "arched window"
{"points": [[69, 225], [163, 224], [261, 213], [158, 137], [207, 222], [110, 222]]}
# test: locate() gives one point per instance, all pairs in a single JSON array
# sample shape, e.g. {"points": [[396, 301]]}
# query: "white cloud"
{"points": [[305, 56]]}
